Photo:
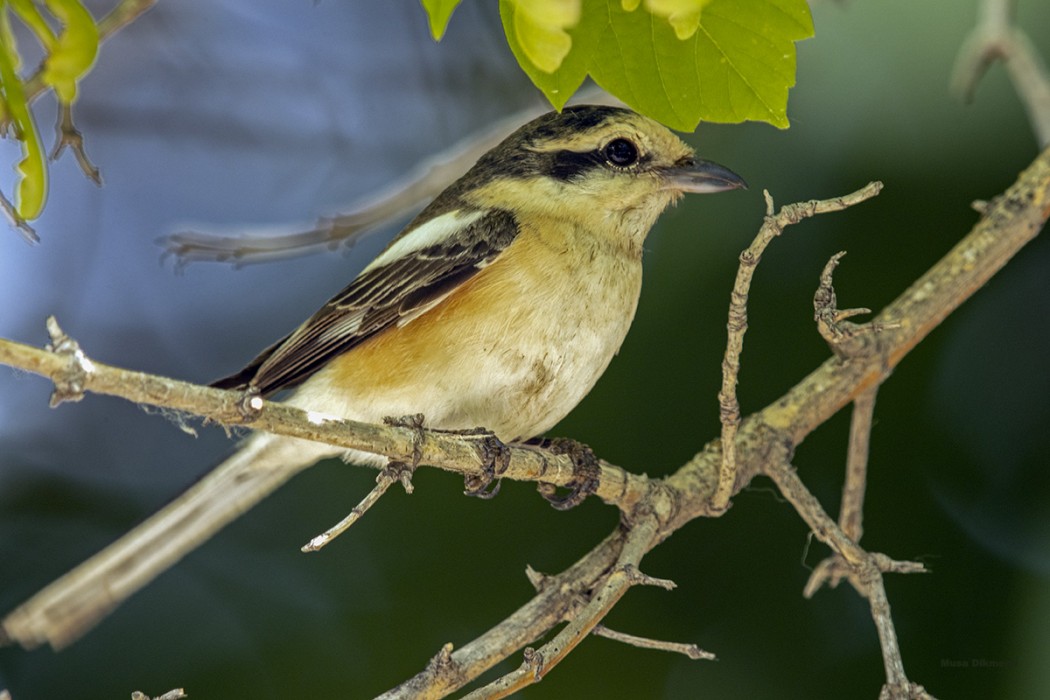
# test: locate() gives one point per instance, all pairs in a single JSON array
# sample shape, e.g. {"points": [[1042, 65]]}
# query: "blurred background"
{"points": [[264, 113]]}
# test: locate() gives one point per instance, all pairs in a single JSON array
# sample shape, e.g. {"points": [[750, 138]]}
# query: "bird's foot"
{"points": [[585, 472], [495, 458]]}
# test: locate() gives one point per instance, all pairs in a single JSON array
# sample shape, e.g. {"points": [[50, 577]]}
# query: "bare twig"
{"points": [[74, 373], [539, 663], [20, 224], [175, 694], [690, 650], [851, 515], [867, 570], [851, 512], [736, 326], [393, 473], [997, 38], [845, 338], [399, 199]]}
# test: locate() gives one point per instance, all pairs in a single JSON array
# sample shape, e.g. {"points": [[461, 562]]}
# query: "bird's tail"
{"points": [[72, 605]]}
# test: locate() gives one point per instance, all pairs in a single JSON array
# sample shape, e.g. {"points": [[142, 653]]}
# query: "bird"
{"points": [[499, 305]]}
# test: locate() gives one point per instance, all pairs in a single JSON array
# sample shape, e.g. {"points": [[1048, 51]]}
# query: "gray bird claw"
{"points": [[586, 473], [495, 458]]}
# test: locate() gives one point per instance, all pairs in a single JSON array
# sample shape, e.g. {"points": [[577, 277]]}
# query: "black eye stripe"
{"points": [[618, 153], [566, 165]]}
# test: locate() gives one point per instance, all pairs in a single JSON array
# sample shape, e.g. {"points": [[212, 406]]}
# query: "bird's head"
{"points": [[603, 166]]}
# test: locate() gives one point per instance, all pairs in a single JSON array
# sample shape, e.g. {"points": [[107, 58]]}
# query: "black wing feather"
{"points": [[376, 300]]}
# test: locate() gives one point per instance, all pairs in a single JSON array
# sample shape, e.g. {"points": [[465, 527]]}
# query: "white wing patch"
{"points": [[434, 232], [416, 272]]}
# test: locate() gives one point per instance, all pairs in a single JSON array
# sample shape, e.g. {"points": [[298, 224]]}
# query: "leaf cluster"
{"points": [[678, 61]]}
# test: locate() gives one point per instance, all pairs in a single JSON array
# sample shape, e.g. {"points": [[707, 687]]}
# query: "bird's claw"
{"points": [[586, 473], [495, 458]]}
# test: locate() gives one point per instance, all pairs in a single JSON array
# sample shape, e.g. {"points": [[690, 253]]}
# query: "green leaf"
{"points": [[737, 63], [74, 51], [559, 85], [540, 30], [438, 14], [31, 189]]}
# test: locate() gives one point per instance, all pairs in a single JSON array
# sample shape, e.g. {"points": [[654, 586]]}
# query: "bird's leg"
{"points": [[585, 471]]}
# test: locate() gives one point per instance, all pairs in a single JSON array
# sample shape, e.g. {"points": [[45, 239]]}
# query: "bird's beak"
{"points": [[702, 176]]}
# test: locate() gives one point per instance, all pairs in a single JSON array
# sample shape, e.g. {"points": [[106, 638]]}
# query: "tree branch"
{"points": [[867, 578], [997, 38], [652, 509], [401, 198], [391, 474], [74, 373], [537, 664], [736, 326], [691, 651]]}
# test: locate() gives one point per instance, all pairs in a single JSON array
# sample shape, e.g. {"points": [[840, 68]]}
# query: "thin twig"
{"points": [[540, 662], [397, 200], [393, 473], [736, 326], [690, 650], [67, 134], [845, 338], [851, 513], [868, 574], [20, 224]]}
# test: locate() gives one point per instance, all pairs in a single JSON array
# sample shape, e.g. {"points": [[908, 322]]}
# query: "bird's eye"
{"points": [[621, 153]]}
